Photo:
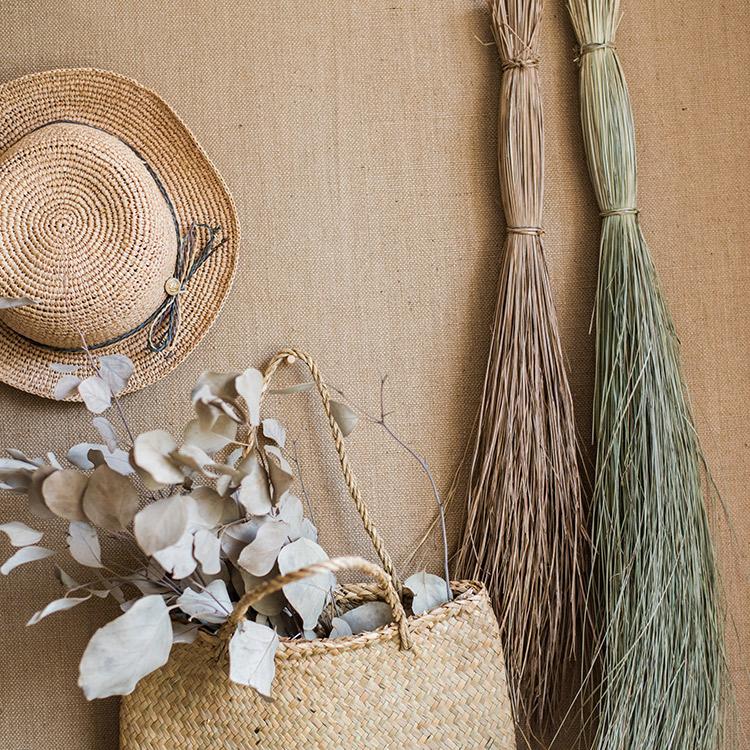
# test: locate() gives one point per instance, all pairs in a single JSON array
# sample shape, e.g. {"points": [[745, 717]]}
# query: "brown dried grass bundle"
{"points": [[524, 535]]}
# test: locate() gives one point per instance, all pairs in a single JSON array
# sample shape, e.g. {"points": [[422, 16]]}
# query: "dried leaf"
{"points": [[127, 649], [58, 605], [250, 386], [110, 500], [115, 370], [67, 581], [207, 551], [178, 560], [11, 303], [36, 501], [214, 390], [83, 543], [66, 386], [308, 596], [96, 394], [308, 531], [254, 494], [206, 508], [368, 617], [429, 591], [274, 430], [19, 534], [104, 427], [269, 605], [184, 632], [23, 556], [15, 474], [222, 431], [251, 656], [152, 458], [339, 628], [260, 555], [193, 458], [212, 605], [161, 524], [279, 472], [346, 418], [62, 492]]}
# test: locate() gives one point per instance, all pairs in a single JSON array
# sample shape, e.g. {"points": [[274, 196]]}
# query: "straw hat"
{"points": [[113, 222]]}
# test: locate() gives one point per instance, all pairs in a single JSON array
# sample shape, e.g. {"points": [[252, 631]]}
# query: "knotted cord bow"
{"points": [[165, 324]]}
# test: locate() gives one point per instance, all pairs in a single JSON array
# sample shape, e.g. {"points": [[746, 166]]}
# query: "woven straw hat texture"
{"points": [[99, 180], [362, 692]]}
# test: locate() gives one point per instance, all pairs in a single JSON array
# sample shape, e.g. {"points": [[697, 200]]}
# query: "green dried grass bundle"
{"points": [[655, 577], [524, 535]]}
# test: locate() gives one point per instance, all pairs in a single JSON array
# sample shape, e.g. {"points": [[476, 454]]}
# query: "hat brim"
{"points": [[198, 193]]}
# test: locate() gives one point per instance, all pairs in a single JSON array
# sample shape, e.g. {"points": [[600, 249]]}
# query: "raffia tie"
{"points": [[165, 325], [532, 231], [619, 212], [586, 49], [519, 63]]}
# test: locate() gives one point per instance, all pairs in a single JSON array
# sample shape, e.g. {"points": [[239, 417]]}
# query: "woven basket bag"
{"points": [[436, 680]]}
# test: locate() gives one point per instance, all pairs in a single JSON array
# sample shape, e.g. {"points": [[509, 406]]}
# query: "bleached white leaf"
{"points": [[53, 462], [58, 605], [104, 427], [62, 492], [24, 555], [160, 524], [96, 394], [292, 512], [207, 550], [250, 386], [252, 649], [63, 369], [184, 632], [11, 303], [15, 474], [212, 605], [78, 455], [66, 580], [254, 494], [117, 460], [310, 635], [308, 531], [65, 387], [274, 430], [110, 499], [308, 596], [178, 560], [346, 418], [152, 457], [126, 649], [19, 534], [368, 617], [429, 591], [87, 455], [339, 628], [214, 391], [193, 458], [115, 370], [83, 543], [260, 555], [206, 508], [21, 456]]}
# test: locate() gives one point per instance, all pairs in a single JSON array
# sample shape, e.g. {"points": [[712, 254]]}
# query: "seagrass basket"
{"points": [[436, 680]]}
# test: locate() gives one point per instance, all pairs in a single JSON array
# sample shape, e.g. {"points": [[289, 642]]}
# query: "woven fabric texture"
{"points": [[358, 140]]}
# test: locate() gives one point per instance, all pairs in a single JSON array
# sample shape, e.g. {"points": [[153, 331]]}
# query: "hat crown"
{"points": [[86, 230]]}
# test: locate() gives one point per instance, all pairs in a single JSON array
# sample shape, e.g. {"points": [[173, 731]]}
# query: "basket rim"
{"points": [[474, 593]]}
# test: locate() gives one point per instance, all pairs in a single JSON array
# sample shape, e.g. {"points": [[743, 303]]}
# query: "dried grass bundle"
{"points": [[655, 577], [524, 535]]}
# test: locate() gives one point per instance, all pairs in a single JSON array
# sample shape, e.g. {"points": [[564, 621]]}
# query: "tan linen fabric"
{"points": [[358, 139]]}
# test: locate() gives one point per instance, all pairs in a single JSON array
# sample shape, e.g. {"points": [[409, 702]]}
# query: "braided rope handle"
{"points": [[390, 595], [290, 356]]}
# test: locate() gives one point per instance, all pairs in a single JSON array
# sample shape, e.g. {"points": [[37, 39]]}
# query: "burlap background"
{"points": [[358, 140]]}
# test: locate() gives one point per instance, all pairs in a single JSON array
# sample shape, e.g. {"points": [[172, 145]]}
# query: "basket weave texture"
{"points": [[434, 680], [359, 692]]}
